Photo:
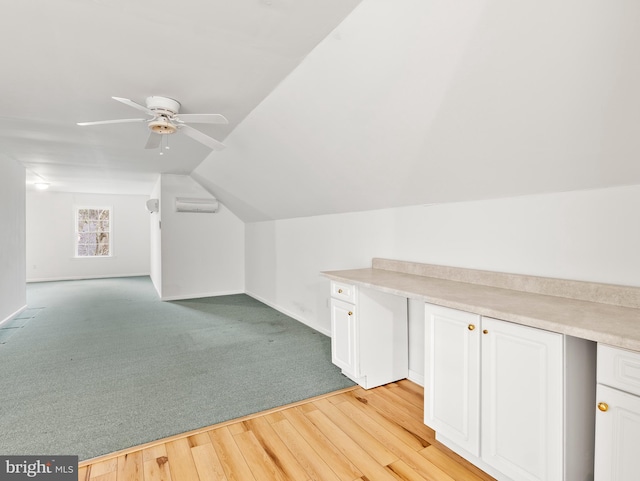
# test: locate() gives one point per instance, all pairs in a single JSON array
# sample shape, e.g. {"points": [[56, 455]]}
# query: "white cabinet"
{"points": [[522, 399], [369, 334], [343, 336], [618, 415], [452, 376], [513, 400]]}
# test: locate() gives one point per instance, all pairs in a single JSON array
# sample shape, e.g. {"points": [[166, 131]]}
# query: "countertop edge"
{"points": [[573, 317]]}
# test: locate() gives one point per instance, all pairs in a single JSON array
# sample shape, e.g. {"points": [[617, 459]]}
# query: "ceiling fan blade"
{"points": [[202, 118], [117, 121], [153, 142], [133, 104], [202, 138]]}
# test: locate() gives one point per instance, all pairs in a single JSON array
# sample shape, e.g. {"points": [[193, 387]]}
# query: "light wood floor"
{"points": [[350, 435]]}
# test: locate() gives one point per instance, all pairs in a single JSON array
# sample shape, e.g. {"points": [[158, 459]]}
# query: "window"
{"points": [[93, 232]]}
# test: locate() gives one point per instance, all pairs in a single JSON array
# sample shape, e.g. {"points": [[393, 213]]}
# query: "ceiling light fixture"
{"points": [[162, 125], [41, 185]]}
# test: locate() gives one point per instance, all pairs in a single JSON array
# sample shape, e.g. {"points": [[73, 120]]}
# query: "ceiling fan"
{"points": [[166, 120]]}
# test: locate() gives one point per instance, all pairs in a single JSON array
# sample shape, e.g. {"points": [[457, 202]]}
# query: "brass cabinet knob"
{"points": [[485, 332], [604, 407], [471, 327], [350, 313], [339, 291]]}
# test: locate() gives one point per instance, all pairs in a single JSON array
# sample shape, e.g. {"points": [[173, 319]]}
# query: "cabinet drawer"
{"points": [[345, 292], [619, 368]]}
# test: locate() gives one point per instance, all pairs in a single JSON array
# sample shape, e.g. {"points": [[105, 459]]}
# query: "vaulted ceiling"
{"points": [[62, 61], [334, 106]]}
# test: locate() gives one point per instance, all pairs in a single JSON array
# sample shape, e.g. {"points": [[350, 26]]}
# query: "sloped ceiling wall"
{"points": [[426, 101]]}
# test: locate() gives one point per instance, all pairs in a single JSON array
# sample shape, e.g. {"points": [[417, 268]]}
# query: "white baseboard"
{"points": [[184, 297], [11, 316], [416, 377], [290, 314], [82, 278]]}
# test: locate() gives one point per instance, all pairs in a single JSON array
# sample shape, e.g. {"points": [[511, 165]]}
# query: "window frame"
{"points": [[76, 217]]}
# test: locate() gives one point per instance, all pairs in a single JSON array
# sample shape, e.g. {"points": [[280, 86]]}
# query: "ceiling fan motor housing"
{"points": [[163, 104]]}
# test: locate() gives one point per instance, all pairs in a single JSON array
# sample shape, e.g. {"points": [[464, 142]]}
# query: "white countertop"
{"points": [[606, 323]]}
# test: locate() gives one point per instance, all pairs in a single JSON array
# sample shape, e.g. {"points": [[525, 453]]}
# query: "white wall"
{"points": [[50, 237], [13, 297], [584, 235], [155, 246], [589, 235], [202, 254], [284, 258]]}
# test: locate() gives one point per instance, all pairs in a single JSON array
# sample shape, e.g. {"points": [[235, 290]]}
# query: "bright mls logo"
{"points": [[49, 468]]}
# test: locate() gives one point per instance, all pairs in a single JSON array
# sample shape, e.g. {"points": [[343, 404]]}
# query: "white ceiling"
{"points": [[417, 102], [335, 105], [62, 61]]}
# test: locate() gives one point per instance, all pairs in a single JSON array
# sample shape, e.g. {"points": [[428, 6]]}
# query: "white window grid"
{"points": [[93, 231]]}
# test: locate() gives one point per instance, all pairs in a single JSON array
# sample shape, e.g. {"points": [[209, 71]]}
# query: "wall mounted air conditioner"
{"points": [[190, 204]]}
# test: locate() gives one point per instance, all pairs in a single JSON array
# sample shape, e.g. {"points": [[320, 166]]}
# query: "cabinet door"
{"points": [[522, 401], [452, 370], [343, 336], [617, 436]]}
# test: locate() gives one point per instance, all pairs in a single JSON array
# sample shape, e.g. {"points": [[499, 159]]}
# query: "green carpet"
{"points": [[95, 366]]}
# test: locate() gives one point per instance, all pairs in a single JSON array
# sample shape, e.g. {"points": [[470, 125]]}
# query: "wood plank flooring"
{"points": [[349, 435]]}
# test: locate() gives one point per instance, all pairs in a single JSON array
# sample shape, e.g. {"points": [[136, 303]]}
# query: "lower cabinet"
{"points": [[514, 400], [369, 335], [452, 376], [618, 415], [343, 336]]}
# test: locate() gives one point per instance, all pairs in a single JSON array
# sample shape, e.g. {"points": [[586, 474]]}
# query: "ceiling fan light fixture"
{"points": [[162, 126]]}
